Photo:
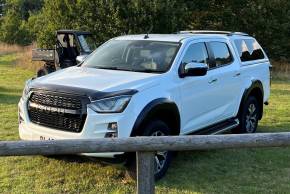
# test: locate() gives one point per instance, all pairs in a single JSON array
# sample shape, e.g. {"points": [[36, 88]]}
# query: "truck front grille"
{"points": [[56, 101], [58, 111]]}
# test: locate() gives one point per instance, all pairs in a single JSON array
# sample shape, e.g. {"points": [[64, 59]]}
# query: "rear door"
{"points": [[225, 79]]}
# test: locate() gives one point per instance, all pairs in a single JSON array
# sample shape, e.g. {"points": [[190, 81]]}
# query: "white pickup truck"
{"points": [[191, 82]]}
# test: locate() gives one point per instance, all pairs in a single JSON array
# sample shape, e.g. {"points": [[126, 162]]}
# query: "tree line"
{"points": [[26, 21]]}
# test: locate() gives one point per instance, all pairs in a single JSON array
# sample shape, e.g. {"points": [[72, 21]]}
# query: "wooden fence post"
{"points": [[145, 172]]}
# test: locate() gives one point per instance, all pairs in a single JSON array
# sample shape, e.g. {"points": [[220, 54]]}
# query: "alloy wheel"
{"points": [[251, 118], [160, 156]]}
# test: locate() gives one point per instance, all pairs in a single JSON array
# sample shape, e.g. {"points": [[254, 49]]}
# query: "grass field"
{"points": [[225, 171]]}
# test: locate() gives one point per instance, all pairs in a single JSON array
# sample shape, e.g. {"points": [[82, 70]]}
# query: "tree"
{"points": [[55, 15], [14, 29], [109, 18], [101, 17], [29, 20], [268, 21], [165, 16]]}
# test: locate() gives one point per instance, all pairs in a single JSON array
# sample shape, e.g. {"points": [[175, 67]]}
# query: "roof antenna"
{"points": [[148, 32]]}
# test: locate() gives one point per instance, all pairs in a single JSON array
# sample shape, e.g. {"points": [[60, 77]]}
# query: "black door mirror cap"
{"points": [[193, 69]]}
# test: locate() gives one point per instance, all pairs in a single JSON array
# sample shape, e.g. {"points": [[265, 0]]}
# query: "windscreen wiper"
{"points": [[104, 67]]}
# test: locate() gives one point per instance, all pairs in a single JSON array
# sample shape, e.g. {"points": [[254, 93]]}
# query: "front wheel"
{"points": [[162, 158], [249, 116]]}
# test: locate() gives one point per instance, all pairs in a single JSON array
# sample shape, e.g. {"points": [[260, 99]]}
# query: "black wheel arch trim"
{"points": [[256, 84], [149, 110]]}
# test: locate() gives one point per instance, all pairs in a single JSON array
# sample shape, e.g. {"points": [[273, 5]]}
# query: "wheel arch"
{"points": [[161, 108], [256, 90]]}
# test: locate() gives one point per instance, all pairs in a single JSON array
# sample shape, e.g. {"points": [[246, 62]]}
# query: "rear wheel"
{"points": [[162, 158], [249, 116]]}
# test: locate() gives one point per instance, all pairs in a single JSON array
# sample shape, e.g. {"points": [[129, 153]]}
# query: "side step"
{"points": [[218, 128]]}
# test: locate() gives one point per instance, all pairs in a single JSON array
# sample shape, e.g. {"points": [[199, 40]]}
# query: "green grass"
{"points": [[224, 171]]}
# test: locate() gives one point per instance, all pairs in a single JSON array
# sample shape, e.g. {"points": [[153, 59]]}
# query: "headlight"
{"points": [[110, 105], [26, 88]]}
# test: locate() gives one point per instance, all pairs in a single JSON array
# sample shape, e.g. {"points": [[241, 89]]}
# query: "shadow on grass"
{"points": [[86, 159], [206, 171], [280, 92], [279, 127], [10, 90], [7, 61], [9, 98]]}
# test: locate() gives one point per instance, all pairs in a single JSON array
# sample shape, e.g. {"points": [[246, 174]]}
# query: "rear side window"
{"points": [[221, 53], [196, 53], [249, 50]]}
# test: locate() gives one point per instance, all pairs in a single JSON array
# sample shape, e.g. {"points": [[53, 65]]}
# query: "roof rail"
{"points": [[228, 33]]}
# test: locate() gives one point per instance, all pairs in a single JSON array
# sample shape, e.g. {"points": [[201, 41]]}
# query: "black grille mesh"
{"points": [[56, 101], [57, 120]]}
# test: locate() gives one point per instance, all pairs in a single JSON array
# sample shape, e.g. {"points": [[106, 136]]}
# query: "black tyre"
{"points": [[249, 116], [162, 158], [44, 71]]}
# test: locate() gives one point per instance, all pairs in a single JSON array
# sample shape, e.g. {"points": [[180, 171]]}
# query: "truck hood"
{"points": [[99, 79]]}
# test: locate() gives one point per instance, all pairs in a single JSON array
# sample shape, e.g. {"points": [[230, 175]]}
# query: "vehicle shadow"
{"points": [[85, 159]]}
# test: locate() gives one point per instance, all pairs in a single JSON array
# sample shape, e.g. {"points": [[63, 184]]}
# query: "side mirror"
{"points": [[193, 69], [81, 58]]}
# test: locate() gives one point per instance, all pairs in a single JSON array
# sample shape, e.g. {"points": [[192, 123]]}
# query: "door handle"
{"points": [[212, 81], [237, 74]]}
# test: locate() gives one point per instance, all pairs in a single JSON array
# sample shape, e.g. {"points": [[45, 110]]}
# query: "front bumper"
{"points": [[94, 127]]}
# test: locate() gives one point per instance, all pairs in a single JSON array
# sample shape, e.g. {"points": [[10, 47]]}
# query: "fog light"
{"points": [[112, 130], [113, 126]]}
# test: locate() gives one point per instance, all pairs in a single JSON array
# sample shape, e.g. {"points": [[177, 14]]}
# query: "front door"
{"points": [[196, 91]]}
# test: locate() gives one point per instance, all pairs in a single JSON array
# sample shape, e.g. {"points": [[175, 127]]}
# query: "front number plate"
{"points": [[45, 138]]}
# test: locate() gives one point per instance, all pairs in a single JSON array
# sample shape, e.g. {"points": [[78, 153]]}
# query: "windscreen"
{"points": [[134, 55], [87, 43]]}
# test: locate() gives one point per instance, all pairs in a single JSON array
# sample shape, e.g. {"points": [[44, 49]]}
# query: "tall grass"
{"points": [[8, 48], [281, 70], [23, 55], [24, 59]]}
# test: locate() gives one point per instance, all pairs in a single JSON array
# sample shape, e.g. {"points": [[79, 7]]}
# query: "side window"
{"points": [[249, 50], [196, 53], [221, 52]]}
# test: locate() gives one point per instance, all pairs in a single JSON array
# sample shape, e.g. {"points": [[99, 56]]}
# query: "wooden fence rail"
{"points": [[144, 147]]}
